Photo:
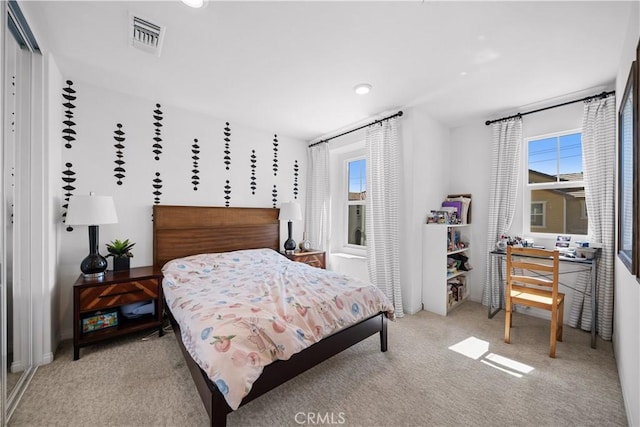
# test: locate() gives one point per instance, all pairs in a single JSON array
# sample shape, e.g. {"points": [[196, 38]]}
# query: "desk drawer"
{"points": [[105, 296]]}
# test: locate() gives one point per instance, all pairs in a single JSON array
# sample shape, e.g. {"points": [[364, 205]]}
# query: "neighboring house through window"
{"points": [[554, 185], [537, 215]]}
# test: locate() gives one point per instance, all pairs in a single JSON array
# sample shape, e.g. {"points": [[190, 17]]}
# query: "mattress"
{"points": [[240, 311]]}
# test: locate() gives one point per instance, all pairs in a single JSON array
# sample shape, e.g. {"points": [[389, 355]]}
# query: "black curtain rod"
{"points": [[588, 98], [398, 114]]}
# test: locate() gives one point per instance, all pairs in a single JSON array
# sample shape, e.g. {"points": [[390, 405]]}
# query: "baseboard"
{"points": [[66, 334], [47, 358], [17, 366]]}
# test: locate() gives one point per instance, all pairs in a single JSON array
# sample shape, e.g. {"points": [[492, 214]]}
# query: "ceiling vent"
{"points": [[146, 35]]}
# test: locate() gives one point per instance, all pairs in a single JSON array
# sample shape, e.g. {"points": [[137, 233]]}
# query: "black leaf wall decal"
{"points": [[157, 185], [275, 155], [253, 172], [68, 93], [157, 147], [195, 178], [227, 193], [13, 113], [227, 152], [295, 179], [119, 169], [274, 194], [68, 177]]}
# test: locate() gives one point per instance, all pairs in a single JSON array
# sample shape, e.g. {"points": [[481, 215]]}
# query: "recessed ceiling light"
{"points": [[463, 73], [362, 88], [194, 3]]}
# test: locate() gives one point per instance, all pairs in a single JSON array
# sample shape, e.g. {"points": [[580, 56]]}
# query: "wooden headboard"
{"points": [[180, 231]]}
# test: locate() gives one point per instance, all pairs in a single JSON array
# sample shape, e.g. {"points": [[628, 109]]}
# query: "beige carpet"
{"points": [[418, 382]]}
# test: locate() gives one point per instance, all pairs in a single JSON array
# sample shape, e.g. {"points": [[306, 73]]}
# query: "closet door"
{"points": [[15, 215]]}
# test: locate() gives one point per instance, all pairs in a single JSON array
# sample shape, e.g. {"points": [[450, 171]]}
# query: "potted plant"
{"points": [[121, 253]]}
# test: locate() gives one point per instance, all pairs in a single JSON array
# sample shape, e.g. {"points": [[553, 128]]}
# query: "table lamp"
{"points": [[92, 210], [291, 212]]}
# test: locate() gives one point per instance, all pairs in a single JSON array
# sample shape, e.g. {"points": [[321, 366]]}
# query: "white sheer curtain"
{"points": [[503, 187], [599, 161], [382, 210], [318, 205]]}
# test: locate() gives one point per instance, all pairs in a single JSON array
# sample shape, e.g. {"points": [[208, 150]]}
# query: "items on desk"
{"points": [[586, 253], [563, 241], [516, 241]]}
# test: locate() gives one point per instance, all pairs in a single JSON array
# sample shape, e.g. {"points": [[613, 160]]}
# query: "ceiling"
{"points": [[290, 67]]}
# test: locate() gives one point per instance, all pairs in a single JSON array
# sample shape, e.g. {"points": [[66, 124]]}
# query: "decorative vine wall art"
{"points": [[195, 178], [119, 169], [252, 183], [68, 93], [157, 185], [227, 152], [157, 147], [274, 195], [68, 177], [227, 194], [295, 179], [275, 155]]}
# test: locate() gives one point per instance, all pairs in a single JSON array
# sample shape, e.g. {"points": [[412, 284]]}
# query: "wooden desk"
{"points": [[583, 264]]}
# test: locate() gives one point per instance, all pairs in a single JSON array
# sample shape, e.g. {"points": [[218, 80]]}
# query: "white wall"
{"points": [[626, 321], [92, 156], [471, 155], [426, 173]]}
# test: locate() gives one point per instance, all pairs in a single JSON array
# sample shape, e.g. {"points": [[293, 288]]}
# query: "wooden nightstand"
{"points": [[313, 258], [107, 295]]}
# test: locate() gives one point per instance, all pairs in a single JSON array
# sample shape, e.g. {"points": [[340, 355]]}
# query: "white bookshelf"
{"points": [[435, 277]]}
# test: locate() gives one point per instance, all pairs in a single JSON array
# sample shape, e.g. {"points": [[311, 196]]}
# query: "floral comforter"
{"points": [[239, 311]]}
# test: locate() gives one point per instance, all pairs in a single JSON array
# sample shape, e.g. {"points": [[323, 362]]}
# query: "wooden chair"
{"points": [[539, 288]]}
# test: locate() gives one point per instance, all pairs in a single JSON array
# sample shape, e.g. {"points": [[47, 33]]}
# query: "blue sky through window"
{"points": [[556, 155], [357, 176]]}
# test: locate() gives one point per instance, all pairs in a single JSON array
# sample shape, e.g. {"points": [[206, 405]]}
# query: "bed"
{"points": [[184, 231]]}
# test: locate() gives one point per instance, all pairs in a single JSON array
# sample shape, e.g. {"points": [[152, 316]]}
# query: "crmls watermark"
{"points": [[320, 418]]}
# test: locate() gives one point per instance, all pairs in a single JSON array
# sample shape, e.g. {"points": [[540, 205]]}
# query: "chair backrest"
{"points": [[540, 268]]}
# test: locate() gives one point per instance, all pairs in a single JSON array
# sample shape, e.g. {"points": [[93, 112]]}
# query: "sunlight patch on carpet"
{"points": [[478, 349], [471, 347]]}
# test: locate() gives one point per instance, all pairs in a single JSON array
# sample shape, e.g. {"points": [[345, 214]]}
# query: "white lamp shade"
{"points": [[290, 211], [91, 210]]}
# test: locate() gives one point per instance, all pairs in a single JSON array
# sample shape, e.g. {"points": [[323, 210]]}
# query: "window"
{"points": [[537, 214], [356, 199], [628, 175], [554, 184]]}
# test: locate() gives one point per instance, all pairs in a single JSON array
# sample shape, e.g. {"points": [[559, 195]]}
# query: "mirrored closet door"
{"points": [[16, 306]]}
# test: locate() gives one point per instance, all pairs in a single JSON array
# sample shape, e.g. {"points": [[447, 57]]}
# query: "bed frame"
{"points": [[180, 231]]}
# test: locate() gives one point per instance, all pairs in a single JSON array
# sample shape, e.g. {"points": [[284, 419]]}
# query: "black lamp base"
{"points": [[290, 244], [94, 265]]}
